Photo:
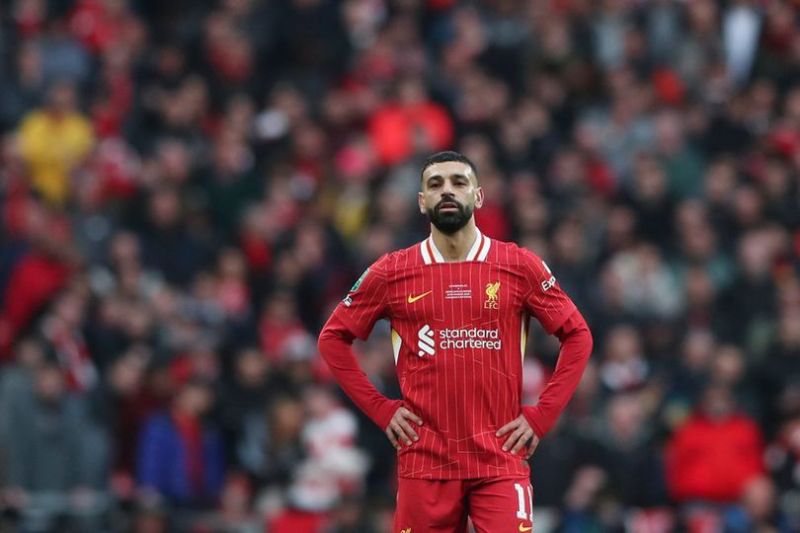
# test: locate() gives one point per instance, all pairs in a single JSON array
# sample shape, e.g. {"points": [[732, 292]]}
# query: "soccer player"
{"points": [[459, 305]]}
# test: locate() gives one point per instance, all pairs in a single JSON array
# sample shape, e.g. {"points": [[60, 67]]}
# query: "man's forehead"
{"points": [[448, 168]]}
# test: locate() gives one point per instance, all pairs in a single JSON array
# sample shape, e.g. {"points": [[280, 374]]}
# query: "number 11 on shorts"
{"points": [[521, 514]]}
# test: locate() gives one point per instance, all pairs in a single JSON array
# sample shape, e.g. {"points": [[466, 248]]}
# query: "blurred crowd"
{"points": [[187, 188]]}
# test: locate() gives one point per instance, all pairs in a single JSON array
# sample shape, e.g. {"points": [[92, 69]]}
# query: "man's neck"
{"points": [[455, 247]]}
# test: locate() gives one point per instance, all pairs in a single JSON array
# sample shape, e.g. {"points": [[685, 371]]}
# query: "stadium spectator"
{"points": [[49, 443], [634, 469], [55, 142], [713, 456], [118, 408], [181, 456], [756, 510]]}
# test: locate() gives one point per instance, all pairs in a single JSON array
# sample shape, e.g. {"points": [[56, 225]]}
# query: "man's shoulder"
{"points": [[509, 252], [398, 260]]}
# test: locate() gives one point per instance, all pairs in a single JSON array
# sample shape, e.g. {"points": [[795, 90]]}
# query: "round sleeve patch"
{"points": [[358, 282]]}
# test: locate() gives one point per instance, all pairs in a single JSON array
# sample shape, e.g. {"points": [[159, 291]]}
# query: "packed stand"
{"points": [[188, 188]]}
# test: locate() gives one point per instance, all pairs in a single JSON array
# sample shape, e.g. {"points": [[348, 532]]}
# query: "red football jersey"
{"points": [[458, 333]]}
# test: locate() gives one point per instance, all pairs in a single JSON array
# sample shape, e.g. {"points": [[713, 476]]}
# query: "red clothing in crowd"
{"points": [[34, 280], [394, 130], [99, 27], [713, 460], [275, 336], [293, 521], [492, 219], [73, 355], [191, 433]]}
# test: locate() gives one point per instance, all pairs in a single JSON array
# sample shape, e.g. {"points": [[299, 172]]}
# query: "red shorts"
{"points": [[495, 504]]}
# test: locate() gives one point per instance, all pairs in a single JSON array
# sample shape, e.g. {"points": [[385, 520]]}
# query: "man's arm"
{"points": [[365, 304], [576, 346], [336, 347], [556, 312]]}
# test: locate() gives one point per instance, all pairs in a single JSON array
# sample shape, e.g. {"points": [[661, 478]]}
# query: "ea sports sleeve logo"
{"points": [[426, 343]]}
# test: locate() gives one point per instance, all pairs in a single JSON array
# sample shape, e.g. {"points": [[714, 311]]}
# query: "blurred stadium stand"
{"points": [[188, 187]]}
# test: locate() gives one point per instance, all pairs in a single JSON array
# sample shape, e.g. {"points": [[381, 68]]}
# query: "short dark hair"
{"points": [[447, 155]]}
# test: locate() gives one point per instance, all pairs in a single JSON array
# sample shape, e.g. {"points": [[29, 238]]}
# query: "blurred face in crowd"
{"points": [[623, 344], [286, 419], [281, 307], [698, 348], [61, 98], [319, 402], [175, 160], [29, 62], [625, 417], [124, 249], [165, 209], [251, 368], [699, 288], [728, 366], [568, 242], [755, 255], [717, 403], [126, 375], [49, 384], [759, 498], [720, 181], [651, 184], [150, 522], [28, 354], [236, 496], [70, 308], [195, 399], [450, 194], [789, 329]]}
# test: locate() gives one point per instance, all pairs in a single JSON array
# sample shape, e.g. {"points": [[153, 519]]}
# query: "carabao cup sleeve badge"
{"points": [[358, 282]]}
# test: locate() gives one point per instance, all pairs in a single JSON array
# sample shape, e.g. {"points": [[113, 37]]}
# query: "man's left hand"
{"points": [[520, 434]]}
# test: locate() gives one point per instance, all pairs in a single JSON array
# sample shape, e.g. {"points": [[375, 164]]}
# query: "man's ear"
{"points": [[421, 202], [478, 197]]}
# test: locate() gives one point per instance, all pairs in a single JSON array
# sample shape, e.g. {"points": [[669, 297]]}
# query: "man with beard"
{"points": [[459, 305]]}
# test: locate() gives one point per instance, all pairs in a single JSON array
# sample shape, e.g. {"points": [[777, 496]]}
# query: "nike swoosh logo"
{"points": [[523, 528], [412, 299]]}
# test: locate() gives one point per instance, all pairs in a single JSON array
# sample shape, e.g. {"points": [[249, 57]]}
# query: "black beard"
{"points": [[451, 221]]}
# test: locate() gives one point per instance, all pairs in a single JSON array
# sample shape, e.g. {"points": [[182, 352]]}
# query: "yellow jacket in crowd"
{"points": [[53, 145]]}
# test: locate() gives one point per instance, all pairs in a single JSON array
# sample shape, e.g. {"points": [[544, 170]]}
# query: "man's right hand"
{"points": [[401, 428]]}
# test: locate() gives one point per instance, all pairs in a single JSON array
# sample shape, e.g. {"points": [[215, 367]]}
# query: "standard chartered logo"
{"points": [[457, 339], [477, 338], [426, 343]]}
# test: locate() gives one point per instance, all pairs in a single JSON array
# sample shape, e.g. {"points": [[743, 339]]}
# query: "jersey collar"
{"points": [[478, 251]]}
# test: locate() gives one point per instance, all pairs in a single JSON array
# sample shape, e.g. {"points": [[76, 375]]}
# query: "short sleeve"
{"points": [[545, 300], [366, 302]]}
